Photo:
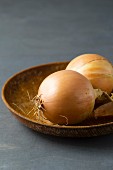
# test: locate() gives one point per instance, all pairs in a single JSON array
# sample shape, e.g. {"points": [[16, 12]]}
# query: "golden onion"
{"points": [[96, 68], [66, 97]]}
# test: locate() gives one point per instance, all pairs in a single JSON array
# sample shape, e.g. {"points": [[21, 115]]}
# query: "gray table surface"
{"points": [[42, 31]]}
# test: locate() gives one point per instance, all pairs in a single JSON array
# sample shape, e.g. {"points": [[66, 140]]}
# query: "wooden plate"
{"points": [[18, 92]]}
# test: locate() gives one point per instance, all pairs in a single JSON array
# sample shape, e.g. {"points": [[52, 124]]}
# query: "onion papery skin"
{"points": [[67, 97], [95, 68]]}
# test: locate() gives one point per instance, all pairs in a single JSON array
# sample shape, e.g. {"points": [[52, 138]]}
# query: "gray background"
{"points": [[34, 32]]}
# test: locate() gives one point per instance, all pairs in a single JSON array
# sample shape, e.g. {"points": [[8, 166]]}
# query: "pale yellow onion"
{"points": [[66, 97], [95, 68]]}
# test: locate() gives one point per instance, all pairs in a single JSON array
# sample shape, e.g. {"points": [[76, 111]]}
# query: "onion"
{"points": [[66, 97], [95, 68]]}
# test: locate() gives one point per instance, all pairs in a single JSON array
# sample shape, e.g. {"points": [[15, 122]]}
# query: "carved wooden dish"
{"points": [[18, 92]]}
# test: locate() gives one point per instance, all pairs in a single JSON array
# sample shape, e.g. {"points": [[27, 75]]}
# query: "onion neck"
{"points": [[98, 93]]}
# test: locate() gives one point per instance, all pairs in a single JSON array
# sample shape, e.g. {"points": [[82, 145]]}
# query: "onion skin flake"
{"points": [[104, 110]]}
